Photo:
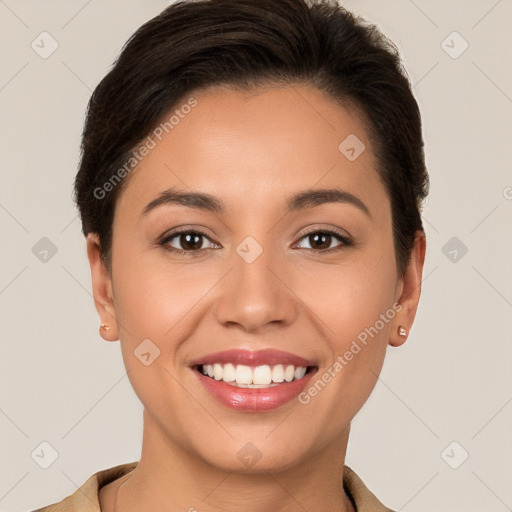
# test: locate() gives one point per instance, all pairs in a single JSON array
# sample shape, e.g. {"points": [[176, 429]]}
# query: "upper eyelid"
{"points": [[339, 232], [167, 237], [180, 230]]}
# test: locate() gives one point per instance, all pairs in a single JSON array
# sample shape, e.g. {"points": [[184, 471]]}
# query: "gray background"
{"points": [[62, 384]]}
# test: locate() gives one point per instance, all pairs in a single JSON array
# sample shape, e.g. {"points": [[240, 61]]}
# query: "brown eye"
{"points": [[190, 241], [185, 241], [322, 241]]}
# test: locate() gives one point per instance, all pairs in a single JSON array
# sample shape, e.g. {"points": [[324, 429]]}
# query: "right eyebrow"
{"points": [[198, 200]]}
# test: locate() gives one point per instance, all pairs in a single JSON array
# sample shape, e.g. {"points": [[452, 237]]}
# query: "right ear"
{"points": [[102, 289]]}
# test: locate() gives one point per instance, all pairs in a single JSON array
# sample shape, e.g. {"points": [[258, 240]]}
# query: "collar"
{"points": [[85, 498]]}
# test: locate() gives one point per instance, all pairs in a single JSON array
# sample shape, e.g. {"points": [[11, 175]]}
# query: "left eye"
{"points": [[321, 240]]}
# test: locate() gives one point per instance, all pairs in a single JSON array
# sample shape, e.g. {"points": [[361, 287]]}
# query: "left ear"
{"points": [[409, 295]]}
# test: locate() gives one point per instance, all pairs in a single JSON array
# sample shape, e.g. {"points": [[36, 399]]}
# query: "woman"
{"points": [[250, 188]]}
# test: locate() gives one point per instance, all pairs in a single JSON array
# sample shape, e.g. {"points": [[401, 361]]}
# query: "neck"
{"points": [[167, 474]]}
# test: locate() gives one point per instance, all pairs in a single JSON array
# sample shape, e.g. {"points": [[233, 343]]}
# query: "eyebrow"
{"points": [[302, 200]]}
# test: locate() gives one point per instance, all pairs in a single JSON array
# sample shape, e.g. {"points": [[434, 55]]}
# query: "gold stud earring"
{"points": [[402, 331], [105, 326]]}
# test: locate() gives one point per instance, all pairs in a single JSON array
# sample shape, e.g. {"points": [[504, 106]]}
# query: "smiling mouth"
{"points": [[263, 376]]}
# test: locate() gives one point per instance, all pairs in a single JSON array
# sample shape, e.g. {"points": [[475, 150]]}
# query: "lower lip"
{"points": [[254, 399]]}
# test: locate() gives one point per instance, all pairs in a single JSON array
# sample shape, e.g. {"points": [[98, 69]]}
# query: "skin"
{"points": [[251, 150]]}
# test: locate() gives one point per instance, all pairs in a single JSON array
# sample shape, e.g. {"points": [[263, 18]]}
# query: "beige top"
{"points": [[85, 498]]}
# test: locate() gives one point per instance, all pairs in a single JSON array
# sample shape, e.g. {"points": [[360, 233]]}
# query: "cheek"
{"points": [[153, 297], [153, 306], [356, 306], [351, 296], [157, 305]]}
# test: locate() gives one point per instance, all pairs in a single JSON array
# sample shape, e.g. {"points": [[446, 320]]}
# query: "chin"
{"points": [[258, 457]]}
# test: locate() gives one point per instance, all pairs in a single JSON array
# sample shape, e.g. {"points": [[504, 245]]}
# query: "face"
{"points": [[262, 272]]}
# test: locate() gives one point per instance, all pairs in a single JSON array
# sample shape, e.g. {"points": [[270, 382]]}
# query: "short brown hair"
{"points": [[241, 44]]}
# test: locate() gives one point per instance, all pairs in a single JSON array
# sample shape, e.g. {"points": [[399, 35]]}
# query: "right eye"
{"points": [[190, 241]]}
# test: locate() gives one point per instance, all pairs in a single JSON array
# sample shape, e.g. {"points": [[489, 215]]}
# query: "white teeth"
{"points": [[228, 373], [217, 372], [289, 373], [278, 373], [262, 375], [300, 372], [243, 374], [257, 377]]}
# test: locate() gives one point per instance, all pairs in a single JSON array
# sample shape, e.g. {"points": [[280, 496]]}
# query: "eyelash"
{"points": [[345, 241]]}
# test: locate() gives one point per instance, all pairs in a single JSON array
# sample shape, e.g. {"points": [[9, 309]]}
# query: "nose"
{"points": [[256, 296]]}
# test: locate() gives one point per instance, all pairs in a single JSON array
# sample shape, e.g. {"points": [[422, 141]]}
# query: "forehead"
{"points": [[253, 147]]}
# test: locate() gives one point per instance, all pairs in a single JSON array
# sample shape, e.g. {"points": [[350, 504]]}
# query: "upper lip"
{"points": [[252, 358]]}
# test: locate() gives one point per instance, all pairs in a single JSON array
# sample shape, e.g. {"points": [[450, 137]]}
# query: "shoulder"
{"points": [[363, 499], [85, 498]]}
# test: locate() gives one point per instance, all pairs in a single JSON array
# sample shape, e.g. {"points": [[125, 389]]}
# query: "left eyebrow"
{"points": [[316, 197], [302, 200]]}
